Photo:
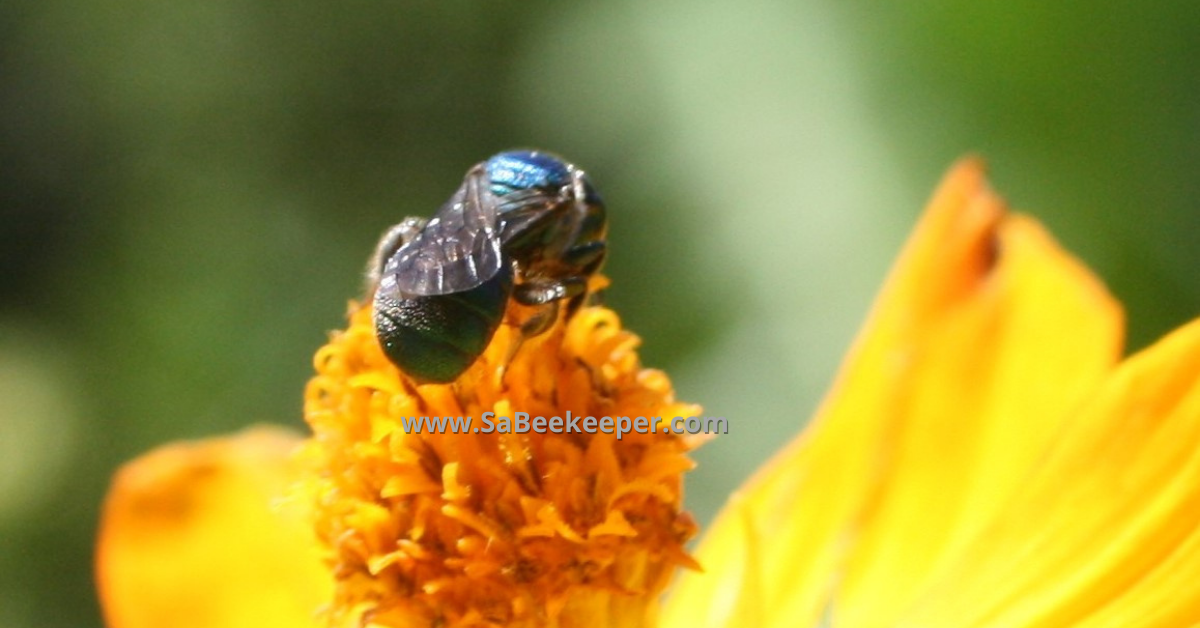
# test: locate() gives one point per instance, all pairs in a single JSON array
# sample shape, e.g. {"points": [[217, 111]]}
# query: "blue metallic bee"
{"points": [[524, 224]]}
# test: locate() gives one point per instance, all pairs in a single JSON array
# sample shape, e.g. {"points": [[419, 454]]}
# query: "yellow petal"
{"points": [[982, 340], [197, 535], [1106, 532]]}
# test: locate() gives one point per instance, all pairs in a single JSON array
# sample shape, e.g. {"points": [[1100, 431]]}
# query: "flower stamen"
{"points": [[524, 528]]}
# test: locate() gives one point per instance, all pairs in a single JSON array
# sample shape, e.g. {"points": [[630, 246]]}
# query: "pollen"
{"points": [[566, 527]]}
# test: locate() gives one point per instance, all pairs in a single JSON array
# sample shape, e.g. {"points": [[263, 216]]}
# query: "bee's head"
{"points": [[521, 170]]}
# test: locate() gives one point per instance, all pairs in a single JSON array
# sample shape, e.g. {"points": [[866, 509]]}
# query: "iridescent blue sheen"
{"points": [[524, 225], [525, 169]]}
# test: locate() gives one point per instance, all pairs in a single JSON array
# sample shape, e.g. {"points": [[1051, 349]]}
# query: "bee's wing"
{"points": [[458, 249]]}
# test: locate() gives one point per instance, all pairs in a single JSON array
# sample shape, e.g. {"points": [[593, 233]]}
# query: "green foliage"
{"points": [[190, 191]]}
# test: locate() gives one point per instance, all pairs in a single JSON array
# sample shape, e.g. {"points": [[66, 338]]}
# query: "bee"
{"points": [[524, 224]]}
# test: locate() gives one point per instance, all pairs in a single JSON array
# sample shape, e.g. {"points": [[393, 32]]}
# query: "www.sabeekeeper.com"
{"points": [[522, 423]]}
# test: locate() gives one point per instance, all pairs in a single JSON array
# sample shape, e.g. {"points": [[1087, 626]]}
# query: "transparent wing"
{"points": [[458, 249]]}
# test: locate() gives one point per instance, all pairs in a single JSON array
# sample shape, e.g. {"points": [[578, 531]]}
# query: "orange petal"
{"points": [[1106, 531], [983, 338], [196, 535]]}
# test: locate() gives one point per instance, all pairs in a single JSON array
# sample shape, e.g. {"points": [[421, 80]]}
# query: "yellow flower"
{"points": [[984, 459], [535, 529]]}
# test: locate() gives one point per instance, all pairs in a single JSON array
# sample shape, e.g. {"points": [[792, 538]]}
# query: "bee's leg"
{"points": [[535, 326], [585, 298], [586, 257], [395, 237], [539, 323], [540, 291], [548, 293]]}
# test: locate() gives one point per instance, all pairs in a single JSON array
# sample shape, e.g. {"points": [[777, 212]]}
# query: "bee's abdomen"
{"points": [[436, 338]]}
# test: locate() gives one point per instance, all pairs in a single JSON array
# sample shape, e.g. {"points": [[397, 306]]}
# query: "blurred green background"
{"points": [[189, 190]]}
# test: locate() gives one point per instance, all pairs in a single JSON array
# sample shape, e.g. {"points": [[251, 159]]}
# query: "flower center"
{"points": [[435, 517]]}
